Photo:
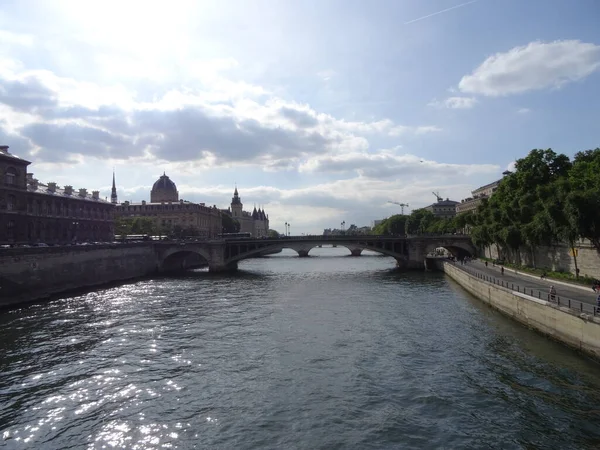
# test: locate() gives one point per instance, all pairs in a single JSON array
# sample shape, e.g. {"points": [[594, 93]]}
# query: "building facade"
{"points": [[443, 208], [256, 222], [471, 203], [32, 212], [167, 212]]}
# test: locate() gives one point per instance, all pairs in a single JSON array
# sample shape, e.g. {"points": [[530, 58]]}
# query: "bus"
{"points": [[235, 235], [135, 237]]}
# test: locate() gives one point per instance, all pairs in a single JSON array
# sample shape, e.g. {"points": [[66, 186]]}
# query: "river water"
{"points": [[327, 352]]}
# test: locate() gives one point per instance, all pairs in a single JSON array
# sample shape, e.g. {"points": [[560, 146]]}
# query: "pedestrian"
{"points": [[543, 275], [597, 305], [486, 264], [552, 293], [502, 270]]}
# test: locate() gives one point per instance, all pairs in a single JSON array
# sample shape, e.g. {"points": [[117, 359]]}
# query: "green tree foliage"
{"points": [[393, 225], [138, 225], [229, 224], [273, 233], [547, 200]]}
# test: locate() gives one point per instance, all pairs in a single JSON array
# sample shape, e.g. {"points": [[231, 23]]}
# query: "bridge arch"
{"points": [[308, 247], [457, 249], [183, 259]]}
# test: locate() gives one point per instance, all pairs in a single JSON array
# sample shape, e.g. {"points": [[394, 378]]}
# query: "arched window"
{"points": [[10, 176]]}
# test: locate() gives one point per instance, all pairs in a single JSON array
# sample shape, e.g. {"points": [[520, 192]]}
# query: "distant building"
{"points": [[471, 203], [33, 212], [167, 211], [443, 208], [377, 222], [255, 222]]}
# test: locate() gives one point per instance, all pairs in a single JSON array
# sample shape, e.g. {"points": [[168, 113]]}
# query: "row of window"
{"points": [[40, 231], [165, 207], [51, 208]]}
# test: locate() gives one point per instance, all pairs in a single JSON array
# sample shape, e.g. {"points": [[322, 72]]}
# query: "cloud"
{"points": [[455, 103], [386, 164], [65, 120], [537, 65], [523, 111]]}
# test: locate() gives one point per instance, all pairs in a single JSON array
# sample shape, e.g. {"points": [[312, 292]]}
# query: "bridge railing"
{"points": [[341, 237], [559, 300]]}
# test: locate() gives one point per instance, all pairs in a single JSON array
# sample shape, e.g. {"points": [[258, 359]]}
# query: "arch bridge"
{"points": [[224, 254]]}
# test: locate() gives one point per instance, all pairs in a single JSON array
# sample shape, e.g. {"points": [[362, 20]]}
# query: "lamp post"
{"points": [[343, 224], [286, 232], [289, 229]]}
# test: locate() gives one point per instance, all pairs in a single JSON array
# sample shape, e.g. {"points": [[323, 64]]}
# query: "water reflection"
{"points": [[322, 352]]}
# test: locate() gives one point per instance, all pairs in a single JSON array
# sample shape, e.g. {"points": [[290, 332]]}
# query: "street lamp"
{"points": [[289, 229], [286, 232]]}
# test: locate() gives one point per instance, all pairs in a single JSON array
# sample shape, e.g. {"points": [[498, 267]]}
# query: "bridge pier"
{"points": [[223, 268], [302, 253], [356, 251]]}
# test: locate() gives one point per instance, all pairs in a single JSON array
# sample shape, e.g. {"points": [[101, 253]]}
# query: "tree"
{"points": [[229, 224], [583, 202], [273, 234], [393, 225]]}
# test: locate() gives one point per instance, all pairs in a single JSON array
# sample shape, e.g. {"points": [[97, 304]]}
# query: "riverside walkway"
{"points": [[579, 298]]}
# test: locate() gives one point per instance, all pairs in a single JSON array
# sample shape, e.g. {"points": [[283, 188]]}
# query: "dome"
{"points": [[164, 190]]}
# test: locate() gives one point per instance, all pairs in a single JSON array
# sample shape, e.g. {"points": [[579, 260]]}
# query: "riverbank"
{"points": [[32, 274], [576, 329]]}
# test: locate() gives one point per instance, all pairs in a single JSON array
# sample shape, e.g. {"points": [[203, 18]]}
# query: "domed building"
{"points": [[168, 212], [164, 190]]}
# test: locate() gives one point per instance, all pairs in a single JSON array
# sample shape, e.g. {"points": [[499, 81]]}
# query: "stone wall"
{"points": [[556, 258], [578, 330], [28, 274]]}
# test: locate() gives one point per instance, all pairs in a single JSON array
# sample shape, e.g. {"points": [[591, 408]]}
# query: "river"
{"points": [[326, 352]]}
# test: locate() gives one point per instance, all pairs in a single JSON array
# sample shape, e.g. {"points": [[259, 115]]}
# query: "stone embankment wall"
{"points": [[35, 273], [578, 330], [558, 258]]}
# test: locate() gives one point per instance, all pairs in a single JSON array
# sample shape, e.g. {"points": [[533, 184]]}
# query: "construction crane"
{"points": [[437, 195], [401, 205]]}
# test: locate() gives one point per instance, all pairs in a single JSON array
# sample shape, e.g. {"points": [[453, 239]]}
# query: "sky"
{"points": [[320, 111]]}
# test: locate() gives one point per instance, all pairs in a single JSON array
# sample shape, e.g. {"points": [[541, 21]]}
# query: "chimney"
{"points": [[143, 202], [34, 182], [51, 187], [3, 148], [29, 177], [82, 192], [68, 190], [96, 195]]}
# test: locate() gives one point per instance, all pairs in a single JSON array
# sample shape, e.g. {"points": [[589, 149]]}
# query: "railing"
{"points": [[573, 304], [345, 237]]}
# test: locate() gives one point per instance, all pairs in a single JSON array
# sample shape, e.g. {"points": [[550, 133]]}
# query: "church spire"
{"points": [[113, 194]]}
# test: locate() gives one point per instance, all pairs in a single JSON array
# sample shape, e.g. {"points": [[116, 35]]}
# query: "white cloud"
{"points": [[387, 164], [523, 111], [537, 65], [455, 103]]}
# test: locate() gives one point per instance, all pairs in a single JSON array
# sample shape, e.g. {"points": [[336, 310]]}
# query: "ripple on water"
{"points": [[323, 352]]}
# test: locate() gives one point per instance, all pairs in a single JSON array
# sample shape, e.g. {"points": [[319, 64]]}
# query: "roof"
{"points": [[164, 183], [4, 154], [42, 189]]}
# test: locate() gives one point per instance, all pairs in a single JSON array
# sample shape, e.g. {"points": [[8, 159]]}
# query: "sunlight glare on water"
{"points": [[325, 352]]}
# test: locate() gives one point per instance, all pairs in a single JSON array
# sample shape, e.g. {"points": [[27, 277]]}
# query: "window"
{"points": [[11, 203], [10, 230], [10, 177]]}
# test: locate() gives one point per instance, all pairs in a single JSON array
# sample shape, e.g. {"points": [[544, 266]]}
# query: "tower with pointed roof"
{"points": [[236, 205], [113, 194]]}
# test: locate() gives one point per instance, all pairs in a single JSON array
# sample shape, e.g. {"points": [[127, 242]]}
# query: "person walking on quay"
{"points": [[502, 270], [597, 310], [552, 293], [486, 264]]}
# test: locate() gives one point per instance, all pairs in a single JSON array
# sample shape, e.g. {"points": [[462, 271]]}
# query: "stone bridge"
{"points": [[224, 254]]}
